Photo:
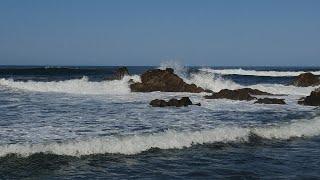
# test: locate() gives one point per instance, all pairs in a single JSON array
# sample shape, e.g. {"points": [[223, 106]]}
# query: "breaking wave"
{"points": [[216, 83], [206, 80], [74, 86], [256, 73], [167, 140], [211, 81]]}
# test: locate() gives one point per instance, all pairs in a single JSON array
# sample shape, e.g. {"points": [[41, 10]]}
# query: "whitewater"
{"points": [[205, 80], [241, 71], [167, 140], [73, 121]]}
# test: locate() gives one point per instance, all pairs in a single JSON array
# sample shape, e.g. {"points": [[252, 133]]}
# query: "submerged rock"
{"points": [[312, 100], [306, 79], [184, 101], [270, 101], [238, 94], [165, 81]]}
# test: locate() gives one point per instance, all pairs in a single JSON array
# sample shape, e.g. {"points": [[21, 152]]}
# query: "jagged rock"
{"points": [[184, 101], [270, 101], [238, 94], [165, 81], [306, 79], [312, 100]]}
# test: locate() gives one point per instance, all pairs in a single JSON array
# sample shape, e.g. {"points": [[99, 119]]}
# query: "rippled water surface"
{"points": [[69, 122]]}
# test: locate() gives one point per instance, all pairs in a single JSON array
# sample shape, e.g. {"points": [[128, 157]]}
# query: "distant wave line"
{"points": [[256, 73]]}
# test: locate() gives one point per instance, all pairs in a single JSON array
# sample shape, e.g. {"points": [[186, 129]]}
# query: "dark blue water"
{"points": [[55, 125]]}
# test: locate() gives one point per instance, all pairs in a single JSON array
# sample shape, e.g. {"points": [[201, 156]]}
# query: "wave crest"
{"points": [[74, 86], [256, 73], [167, 140]]}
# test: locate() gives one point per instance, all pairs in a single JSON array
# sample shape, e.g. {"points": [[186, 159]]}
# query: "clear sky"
{"points": [[147, 32]]}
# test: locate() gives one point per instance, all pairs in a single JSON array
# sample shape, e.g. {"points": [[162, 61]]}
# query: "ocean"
{"points": [[70, 123]]}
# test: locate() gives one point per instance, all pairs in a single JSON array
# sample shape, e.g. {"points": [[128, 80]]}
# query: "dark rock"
{"points": [[270, 101], [238, 94], [158, 103], [208, 91], [165, 81], [306, 79], [254, 91], [184, 101], [170, 70], [312, 100]]}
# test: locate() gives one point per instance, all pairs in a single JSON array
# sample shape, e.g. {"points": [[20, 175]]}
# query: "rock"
{"points": [[306, 79], [254, 91], [238, 94], [312, 100], [165, 81], [158, 103], [184, 101], [208, 91], [270, 101]]}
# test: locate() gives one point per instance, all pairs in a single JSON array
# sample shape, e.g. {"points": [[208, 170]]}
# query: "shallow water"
{"points": [[69, 122]]}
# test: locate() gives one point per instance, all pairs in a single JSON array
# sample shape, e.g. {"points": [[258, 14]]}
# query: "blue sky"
{"points": [[147, 32]]}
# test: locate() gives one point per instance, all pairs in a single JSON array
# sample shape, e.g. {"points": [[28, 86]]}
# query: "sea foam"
{"points": [[256, 73], [206, 80], [170, 139], [74, 86]]}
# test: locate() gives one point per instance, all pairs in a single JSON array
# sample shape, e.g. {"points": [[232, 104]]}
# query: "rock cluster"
{"points": [[167, 81], [164, 81], [184, 101]]}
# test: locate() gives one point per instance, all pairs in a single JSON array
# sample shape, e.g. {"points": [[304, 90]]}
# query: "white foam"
{"points": [[74, 86], [205, 80], [211, 81], [257, 73], [283, 89], [167, 140], [216, 83], [178, 68]]}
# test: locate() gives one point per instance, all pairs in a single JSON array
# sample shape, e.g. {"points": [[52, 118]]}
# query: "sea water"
{"points": [[69, 122]]}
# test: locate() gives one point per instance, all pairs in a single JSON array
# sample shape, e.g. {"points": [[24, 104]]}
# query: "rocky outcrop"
{"points": [[244, 94], [312, 100], [306, 79], [270, 101], [165, 81], [184, 101]]}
